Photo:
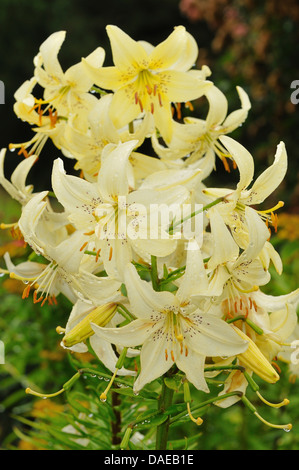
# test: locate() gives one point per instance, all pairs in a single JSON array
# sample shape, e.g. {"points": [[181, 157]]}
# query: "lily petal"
{"points": [[128, 55], [270, 179], [145, 302]]}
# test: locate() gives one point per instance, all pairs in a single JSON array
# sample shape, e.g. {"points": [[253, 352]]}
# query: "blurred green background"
{"points": [[253, 44]]}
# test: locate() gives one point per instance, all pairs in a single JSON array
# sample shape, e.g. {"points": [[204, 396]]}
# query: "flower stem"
{"points": [[154, 273], [162, 430]]}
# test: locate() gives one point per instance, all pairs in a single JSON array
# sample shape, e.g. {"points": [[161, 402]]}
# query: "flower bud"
{"points": [[100, 316], [255, 360]]}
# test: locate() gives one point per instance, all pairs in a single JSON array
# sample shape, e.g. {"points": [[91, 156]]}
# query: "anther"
{"points": [[149, 89], [83, 246]]}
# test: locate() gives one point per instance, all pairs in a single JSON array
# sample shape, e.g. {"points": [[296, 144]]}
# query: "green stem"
{"points": [[193, 214], [154, 273], [162, 430]]}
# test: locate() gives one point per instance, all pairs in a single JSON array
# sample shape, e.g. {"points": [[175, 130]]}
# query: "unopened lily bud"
{"points": [[255, 360], [100, 316]]}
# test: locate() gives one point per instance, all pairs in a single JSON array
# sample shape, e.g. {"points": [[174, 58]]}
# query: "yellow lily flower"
{"points": [[147, 79]]}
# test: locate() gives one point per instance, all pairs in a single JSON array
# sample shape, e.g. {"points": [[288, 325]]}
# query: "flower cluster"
{"points": [[158, 266]]}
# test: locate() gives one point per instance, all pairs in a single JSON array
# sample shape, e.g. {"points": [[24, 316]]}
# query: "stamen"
{"points": [[166, 355], [43, 395], [136, 97], [60, 330], [225, 163], [178, 110], [83, 246], [189, 105], [24, 152], [160, 100], [155, 89], [110, 253], [118, 365], [98, 254], [149, 89], [285, 427], [278, 206], [26, 292], [276, 367], [103, 396], [198, 420], [273, 405], [152, 108]]}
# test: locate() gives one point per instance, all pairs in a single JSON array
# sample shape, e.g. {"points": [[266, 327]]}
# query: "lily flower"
{"points": [[104, 211], [67, 92], [148, 79], [197, 138], [232, 209], [171, 330]]}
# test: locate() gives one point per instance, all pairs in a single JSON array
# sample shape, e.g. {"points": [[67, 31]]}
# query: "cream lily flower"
{"points": [[232, 210], [171, 329], [47, 122], [231, 273], [196, 137], [86, 147], [66, 92], [147, 79], [60, 271], [17, 187], [105, 210]]}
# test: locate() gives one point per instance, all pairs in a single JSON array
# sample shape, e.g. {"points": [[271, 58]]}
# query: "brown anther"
{"points": [[89, 233], [189, 105], [155, 89], [149, 89], [152, 108], [35, 299], [26, 292], [136, 97], [160, 99], [178, 110], [98, 254], [110, 253], [172, 355], [276, 367], [24, 152], [226, 165], [53, 118], [166, 355], [83, 246]]}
